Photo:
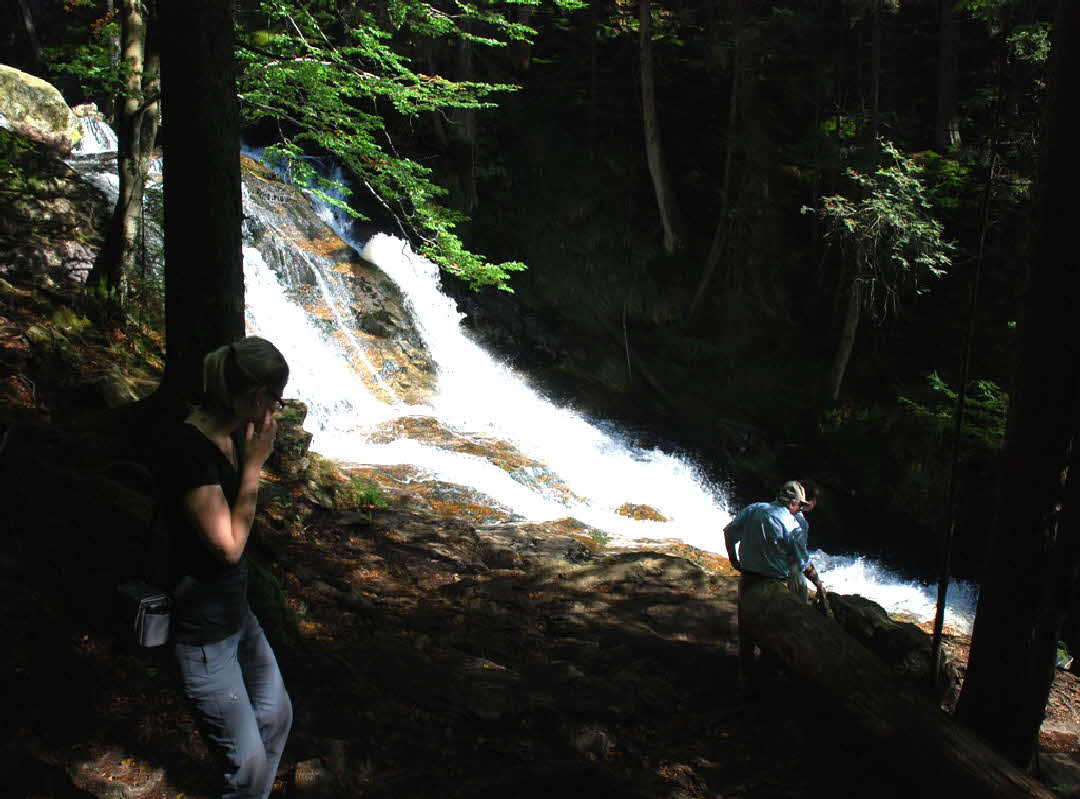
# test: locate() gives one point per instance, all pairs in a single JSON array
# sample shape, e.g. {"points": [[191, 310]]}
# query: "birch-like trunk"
{"points": [[117, 259], [670, 215], [846, 343]]}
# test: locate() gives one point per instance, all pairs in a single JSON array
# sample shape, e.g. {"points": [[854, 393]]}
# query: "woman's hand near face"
{"points": [[259, 439]]}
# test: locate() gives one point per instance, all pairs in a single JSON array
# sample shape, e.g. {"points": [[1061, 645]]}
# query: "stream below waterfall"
{"points": [[575, 467]]}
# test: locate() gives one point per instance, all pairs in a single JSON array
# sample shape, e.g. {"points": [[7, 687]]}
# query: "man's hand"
{"points": [[811, 574]]}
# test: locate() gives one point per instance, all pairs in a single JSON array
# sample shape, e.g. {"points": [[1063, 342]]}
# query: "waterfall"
{"points": [[478, 395], [480, 398], [97, 137]]}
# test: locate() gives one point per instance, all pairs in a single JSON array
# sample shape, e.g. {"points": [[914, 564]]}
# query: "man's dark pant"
{"points": [[747, 644], [238, 691]]}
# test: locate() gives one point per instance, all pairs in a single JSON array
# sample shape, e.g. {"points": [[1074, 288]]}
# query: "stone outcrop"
{"points": [[51, 222], [36, 110], [374, 326], [523, 469]]}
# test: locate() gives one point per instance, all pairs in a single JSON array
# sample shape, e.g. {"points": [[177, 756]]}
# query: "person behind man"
{"points": [[796, 582], [764, 543]]}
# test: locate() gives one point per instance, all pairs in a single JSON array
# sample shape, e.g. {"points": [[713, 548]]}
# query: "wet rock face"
{"points": [[641, 512], [506, 456], [369, 317]]}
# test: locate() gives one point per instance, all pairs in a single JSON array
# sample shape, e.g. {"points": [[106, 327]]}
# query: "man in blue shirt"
{"points": [[796, 582], [764, 543]]}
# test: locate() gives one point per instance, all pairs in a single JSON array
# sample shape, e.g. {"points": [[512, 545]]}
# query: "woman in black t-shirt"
{"points": [[210, 485]]}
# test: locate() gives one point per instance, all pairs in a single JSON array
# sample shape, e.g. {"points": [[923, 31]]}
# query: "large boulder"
{"points": [[35, 109]]}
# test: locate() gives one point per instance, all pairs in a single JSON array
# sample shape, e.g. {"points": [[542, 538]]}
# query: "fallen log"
{"points": [[910, 727]]}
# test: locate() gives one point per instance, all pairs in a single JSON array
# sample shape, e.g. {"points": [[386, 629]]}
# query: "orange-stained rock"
{"points": [[506, 456], [365, 314], [643, 513]]}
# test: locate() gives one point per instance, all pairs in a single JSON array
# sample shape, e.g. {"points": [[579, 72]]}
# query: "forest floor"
{"points": [[427, 655]]}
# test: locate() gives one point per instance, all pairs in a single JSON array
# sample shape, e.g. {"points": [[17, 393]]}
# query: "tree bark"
{"points": [[464, 132], [719, 241], [846, 343], [116, 261], [875, 65], [593, 29], [910, 728], [204, 268], [947, 126], [670, 215], [1035, 556], [31, 32]]}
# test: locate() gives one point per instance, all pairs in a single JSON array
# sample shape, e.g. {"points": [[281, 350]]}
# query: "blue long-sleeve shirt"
{"points": [[768, 539]]}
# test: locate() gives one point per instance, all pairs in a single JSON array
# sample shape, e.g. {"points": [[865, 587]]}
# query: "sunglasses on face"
{"points": [[279, 403]]}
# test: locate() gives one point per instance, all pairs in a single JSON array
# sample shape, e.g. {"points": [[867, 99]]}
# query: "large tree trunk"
{"points": [[670, 215], [910, 728], [204, 268], [117, 259], [947, 126], [1036, 544]]}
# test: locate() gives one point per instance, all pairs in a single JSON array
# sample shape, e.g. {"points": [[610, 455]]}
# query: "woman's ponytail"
{"points": [[235, 369], [216, 397]]}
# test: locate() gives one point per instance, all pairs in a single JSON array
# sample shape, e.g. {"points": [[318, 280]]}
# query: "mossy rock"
{"points": [[26, 100]]}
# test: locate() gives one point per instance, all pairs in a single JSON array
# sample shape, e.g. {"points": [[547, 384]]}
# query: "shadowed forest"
{"points": [[821, 237]]}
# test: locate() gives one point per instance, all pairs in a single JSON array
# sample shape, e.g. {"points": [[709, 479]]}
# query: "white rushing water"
{"points": [[477, 395], [97, 137]]}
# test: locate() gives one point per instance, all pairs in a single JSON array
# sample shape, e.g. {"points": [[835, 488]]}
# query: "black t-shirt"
{"points": [[210, 602]]}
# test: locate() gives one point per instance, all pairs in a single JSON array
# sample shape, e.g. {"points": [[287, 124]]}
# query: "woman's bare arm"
{"points": [[225, 530]]}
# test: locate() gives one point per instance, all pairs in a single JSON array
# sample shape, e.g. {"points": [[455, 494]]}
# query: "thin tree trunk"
{"points": [[719, 241], [1035, 559], [670, 215], [819, 100], [464, 132], [429, 53], [723, 226], [204, 268], [594, 80], [31, 31], [875, 100], [847, 338], [109, 103], [151, 116], [947, 126], [116, 261]]}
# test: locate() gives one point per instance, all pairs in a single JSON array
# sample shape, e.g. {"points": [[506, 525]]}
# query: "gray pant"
{"points": [[239, 694]]}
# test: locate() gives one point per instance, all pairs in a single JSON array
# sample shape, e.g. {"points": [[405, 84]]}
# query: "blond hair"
{"points": [[235, 369]]}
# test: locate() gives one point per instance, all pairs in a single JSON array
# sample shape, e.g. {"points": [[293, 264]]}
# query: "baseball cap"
{"points": [[792, 491]]}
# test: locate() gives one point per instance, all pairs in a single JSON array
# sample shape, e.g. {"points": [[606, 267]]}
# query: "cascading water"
{"points": [[97, 137], [478, 395], [480, 398]]}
